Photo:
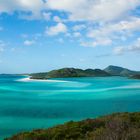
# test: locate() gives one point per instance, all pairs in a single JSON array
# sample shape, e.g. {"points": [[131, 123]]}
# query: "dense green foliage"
{"points": [[72, 72], [119, 71], [137, 76], [69, 72], [121, 126]]}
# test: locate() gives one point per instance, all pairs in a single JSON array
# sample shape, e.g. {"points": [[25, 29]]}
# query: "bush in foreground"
{"points": [[120, 126]]}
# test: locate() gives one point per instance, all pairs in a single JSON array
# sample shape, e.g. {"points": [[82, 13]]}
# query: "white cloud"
{"points": [[114, 32], [14, 5], [55, 30], [119, 50], [103, 41], [79, 27], [95, 10], [57, 19], [105, 20], [47, 16], [77, 34], [33, 6], [29, 42], [99, 10], [68, 34], [123, 27], [134, 47], [98, 42]]}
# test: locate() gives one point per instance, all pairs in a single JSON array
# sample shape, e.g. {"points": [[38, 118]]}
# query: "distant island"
{"points": [[120, 71], [121, 126], [73, 72], [136, 76], [69, 72]]}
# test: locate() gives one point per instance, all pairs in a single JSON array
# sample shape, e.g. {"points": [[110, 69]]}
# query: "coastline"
{"points": [[28, 79]]}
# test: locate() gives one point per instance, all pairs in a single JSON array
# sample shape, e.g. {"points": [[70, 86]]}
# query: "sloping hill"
{"points": [[96, 72], [69, 72], [119, 71], [73, 72], [121, 126]]}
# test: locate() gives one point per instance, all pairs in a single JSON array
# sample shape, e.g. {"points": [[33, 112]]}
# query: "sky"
{"points": [[41, 35]]}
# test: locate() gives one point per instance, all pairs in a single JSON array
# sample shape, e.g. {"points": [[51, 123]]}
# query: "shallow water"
{"points": [[27, 105]]}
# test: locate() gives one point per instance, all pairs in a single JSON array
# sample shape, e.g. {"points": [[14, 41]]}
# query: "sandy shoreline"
{"points": [[28, 79]]}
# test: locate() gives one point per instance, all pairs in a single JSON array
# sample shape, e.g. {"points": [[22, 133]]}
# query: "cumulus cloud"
{"points": [[134, 47], [109, 32], [119, 50], [104, 10], [95, 10], [46, 15], [122, 27], [57, 19], [33, 6], [55, 30], [114, 19], [29, 42], [79, 27], [105, 21], [77, 34], [97, 42]]}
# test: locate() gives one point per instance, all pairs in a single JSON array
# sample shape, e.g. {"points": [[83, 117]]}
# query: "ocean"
{"points": [[27, 105]]}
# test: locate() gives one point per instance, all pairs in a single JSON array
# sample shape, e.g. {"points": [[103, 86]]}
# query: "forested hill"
{"points": [[73, 72], [69, 72], [120, 71]]}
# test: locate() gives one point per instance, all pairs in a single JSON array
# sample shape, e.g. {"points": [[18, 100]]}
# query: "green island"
{"points": [[136, 76], [69, 72], [73, 72], [119, 126]]}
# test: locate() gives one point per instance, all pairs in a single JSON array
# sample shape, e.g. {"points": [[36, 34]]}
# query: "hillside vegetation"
{"points": [[136, 76], [121, 126], [69, 72], [119, 71], [73, 72]]}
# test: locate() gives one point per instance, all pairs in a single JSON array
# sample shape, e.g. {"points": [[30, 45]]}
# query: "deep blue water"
{"points": [[27, 105]]}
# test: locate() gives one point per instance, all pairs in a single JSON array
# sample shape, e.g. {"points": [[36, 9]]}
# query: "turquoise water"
{"points": [[27, 105]]}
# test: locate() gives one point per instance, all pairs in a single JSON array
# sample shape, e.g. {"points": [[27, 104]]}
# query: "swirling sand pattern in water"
{"points": [[30, 104]]}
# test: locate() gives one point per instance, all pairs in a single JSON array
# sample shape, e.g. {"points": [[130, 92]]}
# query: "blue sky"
{"points": [[41, 35]]}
